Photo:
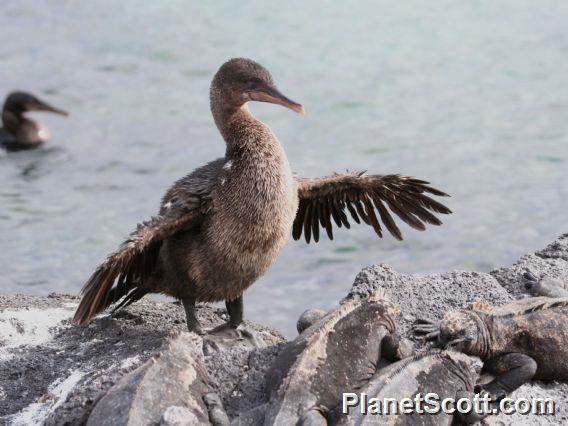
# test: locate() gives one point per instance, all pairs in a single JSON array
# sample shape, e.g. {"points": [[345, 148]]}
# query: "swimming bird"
{"points": [[220, 227], [20, 132]]}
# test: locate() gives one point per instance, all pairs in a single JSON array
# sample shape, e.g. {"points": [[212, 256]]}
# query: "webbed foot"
{"points": [[195, 328], [226, 337], [425, 329]]}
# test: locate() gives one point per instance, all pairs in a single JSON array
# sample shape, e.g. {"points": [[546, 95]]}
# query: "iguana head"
{"points": [[465, 331], [380, 297]]}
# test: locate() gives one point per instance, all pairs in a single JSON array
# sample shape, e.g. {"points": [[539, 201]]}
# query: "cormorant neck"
{"points": [[233, 122], [12, 119]]}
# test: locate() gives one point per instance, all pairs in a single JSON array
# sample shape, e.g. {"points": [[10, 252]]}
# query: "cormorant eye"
{"points": [[253, 83]]}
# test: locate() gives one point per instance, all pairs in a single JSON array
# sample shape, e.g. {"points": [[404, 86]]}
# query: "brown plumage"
{"points": [[19, 132], [220, 227]]}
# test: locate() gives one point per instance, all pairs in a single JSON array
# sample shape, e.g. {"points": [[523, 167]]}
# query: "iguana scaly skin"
{"points": [[175, 378], [447, 374], [340, 351], [517, 341]]}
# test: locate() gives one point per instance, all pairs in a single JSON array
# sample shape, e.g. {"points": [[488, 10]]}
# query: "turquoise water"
{"points": [[471, 95]]}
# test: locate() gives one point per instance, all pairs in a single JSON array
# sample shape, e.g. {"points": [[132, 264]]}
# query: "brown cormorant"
{"points": [[19, 132], [221, 227]]}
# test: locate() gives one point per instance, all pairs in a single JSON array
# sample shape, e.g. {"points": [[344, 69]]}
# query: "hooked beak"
{"points": [[38, 105], [266, 93]]}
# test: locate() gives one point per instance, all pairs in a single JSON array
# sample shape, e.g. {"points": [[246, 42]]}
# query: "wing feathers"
{"points": [[361, 211], [352, 212], [297, 227], [342, 216], [405, 215], [308, 223], [334, 212], [322, 200], [387, 219], [372, 217], [132, 263], [315, 221]]}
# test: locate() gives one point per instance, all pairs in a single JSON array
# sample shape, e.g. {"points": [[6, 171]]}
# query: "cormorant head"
{"points": [[19, 102], [241, 80]]}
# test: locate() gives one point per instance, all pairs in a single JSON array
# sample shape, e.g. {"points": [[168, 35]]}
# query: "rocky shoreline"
{"points": [[54, 373]]}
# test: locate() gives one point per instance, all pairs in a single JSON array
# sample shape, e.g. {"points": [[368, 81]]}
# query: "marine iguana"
{"points": [[544, 286], [177, 378], [524, 339], [447, 374], [339, 351]]}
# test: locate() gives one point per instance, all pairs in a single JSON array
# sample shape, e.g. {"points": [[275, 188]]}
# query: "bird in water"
{"points": [[19, 132], [221, 227]]}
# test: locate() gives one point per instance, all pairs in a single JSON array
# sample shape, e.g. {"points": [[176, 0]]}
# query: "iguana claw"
{"points": [[430, 336], [425, 329], [424, 321], [529, 279]]}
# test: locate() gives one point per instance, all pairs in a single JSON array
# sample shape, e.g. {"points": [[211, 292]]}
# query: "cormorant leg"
{"points": [[394, 347], [512, 370], [235, 311], [190, 315]]}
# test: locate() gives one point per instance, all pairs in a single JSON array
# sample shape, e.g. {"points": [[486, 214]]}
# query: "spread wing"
{"points": [[184, 206], [362, 196], [133, 262]]}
